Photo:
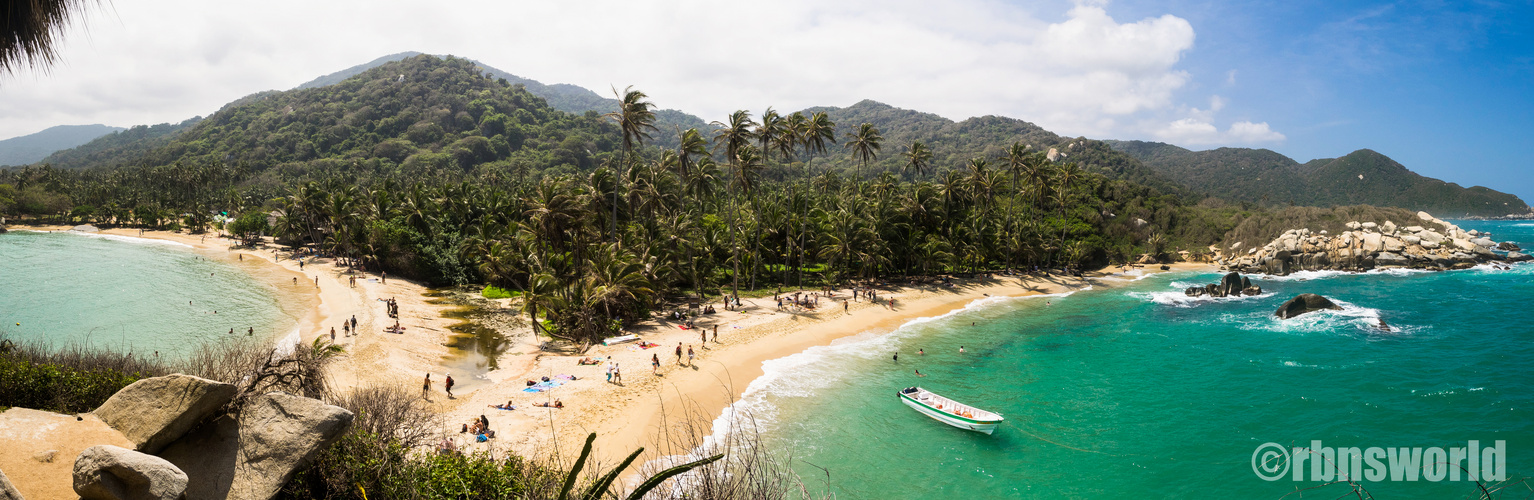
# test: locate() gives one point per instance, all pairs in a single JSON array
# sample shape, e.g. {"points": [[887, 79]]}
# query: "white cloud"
{"points": [[155, 61]]}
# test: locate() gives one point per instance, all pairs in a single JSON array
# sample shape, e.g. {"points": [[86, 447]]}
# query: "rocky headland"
{"points": [[1429, 243]]}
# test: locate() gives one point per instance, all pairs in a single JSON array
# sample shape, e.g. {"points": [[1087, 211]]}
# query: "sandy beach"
{"points": [[626, 415]]}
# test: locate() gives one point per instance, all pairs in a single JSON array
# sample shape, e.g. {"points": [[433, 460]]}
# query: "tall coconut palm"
{"points": [[1069, 173], [865, 144], [917, 157], [734, 137], [767, 133], [636, 120]]}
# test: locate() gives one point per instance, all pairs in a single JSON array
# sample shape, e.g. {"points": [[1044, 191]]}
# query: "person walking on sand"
{"points": [[679, 353], [617, 374], [426, 387], [332, 334], [609, 372], [716, 334], [689, 355], [448, 386], [702, 336], [655, 364]]}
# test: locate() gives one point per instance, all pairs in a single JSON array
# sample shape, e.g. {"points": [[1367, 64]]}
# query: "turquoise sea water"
{"points": [[1130, 390], [132, 293]]}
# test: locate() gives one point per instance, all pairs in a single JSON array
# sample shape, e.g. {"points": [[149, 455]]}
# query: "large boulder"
{"points": [[155, 411], [1518, 257], [107, 472], [1231, 285], [1304, 303], [1485, 242], [1373, 242], [1508, 246], [251, 456], [1391, 259]]}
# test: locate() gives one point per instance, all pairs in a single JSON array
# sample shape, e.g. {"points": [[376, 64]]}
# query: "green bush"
{"points": [[495, 292], [52, 387]]}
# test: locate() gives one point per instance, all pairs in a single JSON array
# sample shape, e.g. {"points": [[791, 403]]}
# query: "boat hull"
{"points": [[984, 426]]}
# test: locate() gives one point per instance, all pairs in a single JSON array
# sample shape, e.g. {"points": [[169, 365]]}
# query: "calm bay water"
{"points": [[132, 293], [1130, 390]]}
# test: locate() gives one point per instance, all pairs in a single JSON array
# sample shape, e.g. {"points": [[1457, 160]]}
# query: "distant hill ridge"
{"points": [[1363, 177], [31, 148]]}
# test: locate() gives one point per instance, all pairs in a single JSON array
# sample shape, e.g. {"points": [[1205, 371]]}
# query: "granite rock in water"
{"points": [[1304, 303], [108, 472]]}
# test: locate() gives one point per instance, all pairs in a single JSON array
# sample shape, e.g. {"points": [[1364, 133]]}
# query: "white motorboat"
{"points": [[949, 411]]}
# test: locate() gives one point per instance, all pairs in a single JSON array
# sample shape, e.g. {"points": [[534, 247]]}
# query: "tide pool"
{"points": [[135, 294], [1131, 390]]}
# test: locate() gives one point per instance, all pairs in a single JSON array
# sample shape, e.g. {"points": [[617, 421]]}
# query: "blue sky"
{"points": [[1442, 87], [1445, 88]]}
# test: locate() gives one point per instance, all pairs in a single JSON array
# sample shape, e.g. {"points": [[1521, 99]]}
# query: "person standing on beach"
{"points": [[332, 334], [383, 277], [426, 387], [844, 307], [448, 386], [679, 353], [617, 374], [354, 322], [655, 364], [300, 265]]}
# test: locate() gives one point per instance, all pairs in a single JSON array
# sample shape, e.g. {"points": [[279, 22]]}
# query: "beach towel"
{"points": [[507, 409], [684, 327], [565, 377], [543, 386]]}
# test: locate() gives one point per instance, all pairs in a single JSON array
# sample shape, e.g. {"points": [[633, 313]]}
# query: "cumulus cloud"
{"points": [[1083, 73]]}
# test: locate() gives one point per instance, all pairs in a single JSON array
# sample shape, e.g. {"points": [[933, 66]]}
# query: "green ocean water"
{"points": [[1130, 390], [134, 294]]}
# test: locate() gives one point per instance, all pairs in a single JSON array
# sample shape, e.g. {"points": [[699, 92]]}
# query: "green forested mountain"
{"points": [[30, 148], [118, 147], [955, 143], [1363, 177], [560, 96]]}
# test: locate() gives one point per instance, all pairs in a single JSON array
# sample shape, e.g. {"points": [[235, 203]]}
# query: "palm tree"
{"points": [[1068, 174], [734, 137], [30, 31], [636, 121], [865, 143], [768, 132], [916, 158]]}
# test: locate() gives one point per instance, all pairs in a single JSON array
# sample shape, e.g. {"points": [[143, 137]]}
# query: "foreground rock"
{"points": [[1366, 245], [28, 436], [251, 456], [153, 412], [108, 472], [7, 492], [1231, 285], [1304, 303]]}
